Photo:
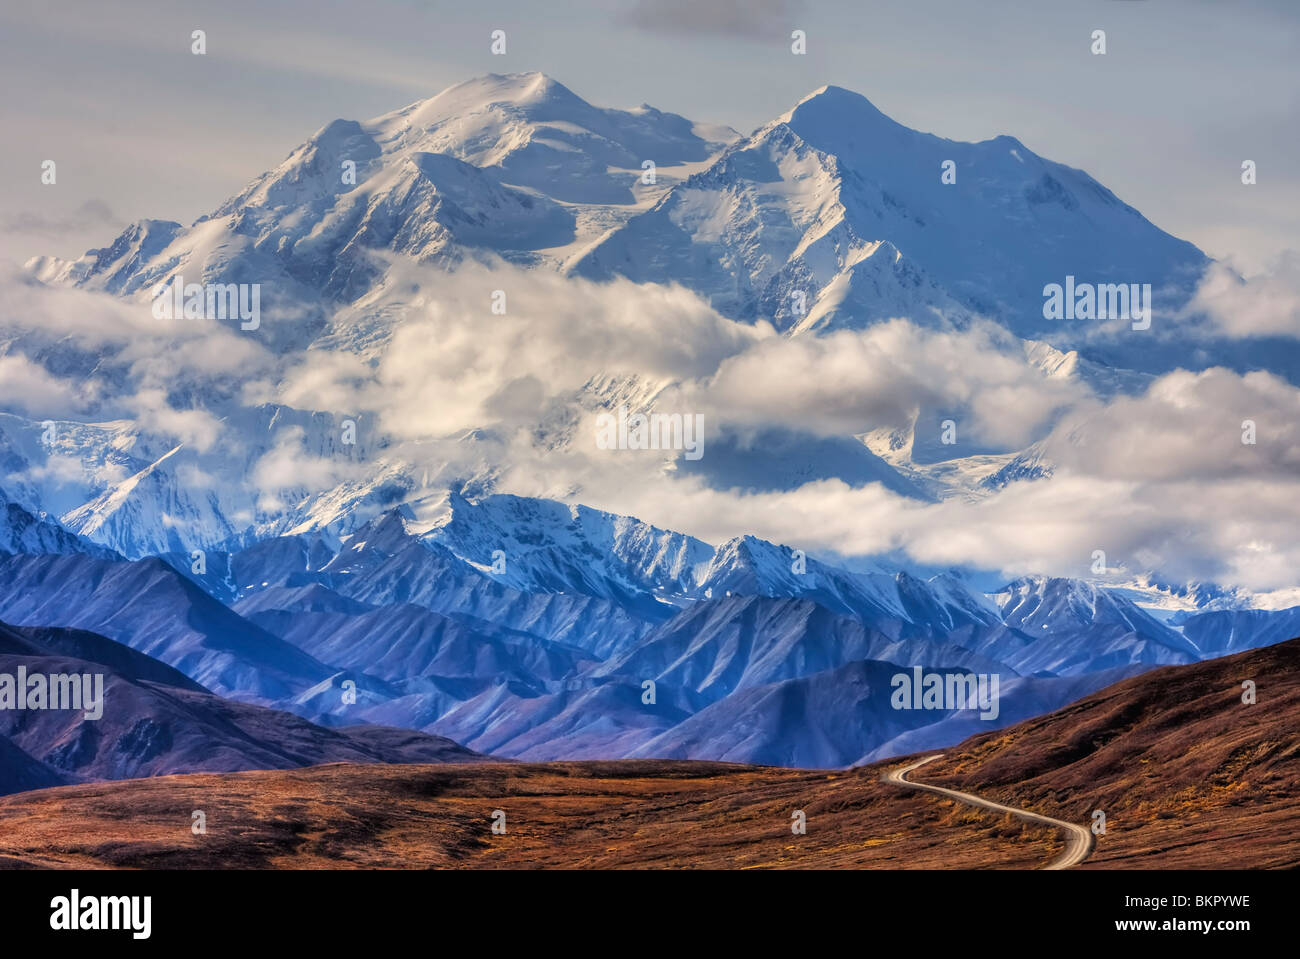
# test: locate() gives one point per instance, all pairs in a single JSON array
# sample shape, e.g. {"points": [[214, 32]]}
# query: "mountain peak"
{"points": [[833, 105], [529, 87], [524, 92], [829, 92]]}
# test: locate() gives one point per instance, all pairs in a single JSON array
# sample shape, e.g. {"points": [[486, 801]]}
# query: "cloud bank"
{"points": [[1196, 478]]}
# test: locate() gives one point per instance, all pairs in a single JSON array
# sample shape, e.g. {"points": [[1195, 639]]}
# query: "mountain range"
{"points": [[1187, 775], [306, 578]]}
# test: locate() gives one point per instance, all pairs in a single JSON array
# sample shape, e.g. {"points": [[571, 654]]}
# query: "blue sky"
{"points": [[140, 127]]}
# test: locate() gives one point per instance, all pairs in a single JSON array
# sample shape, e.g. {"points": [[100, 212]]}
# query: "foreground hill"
{"points": [[1188, 774], [149, 719]]}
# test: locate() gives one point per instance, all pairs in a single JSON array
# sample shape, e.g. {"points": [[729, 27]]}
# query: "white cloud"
{"points": [[289, 472], [1161, 481], [27, 386], [450, 364], [852, 381], [192, 427], [1263, 304], [1187, 425]]}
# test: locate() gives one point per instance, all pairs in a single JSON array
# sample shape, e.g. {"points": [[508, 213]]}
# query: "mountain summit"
{"points": [[832, 215], [514, 166]]}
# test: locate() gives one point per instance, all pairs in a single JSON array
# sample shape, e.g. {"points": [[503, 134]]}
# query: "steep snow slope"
{"points": [[547, 546], [516, 166], [1075, 627], [21, 532], [838, 202]]}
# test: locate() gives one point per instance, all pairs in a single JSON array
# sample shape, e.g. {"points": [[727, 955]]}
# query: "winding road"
{"points": [[1078, 840]]}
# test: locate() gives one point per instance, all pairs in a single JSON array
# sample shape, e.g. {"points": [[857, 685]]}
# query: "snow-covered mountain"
{"points": [[832, 201], [556, 665], [838, 202], [1083, 628], [546, 546], [21, 532], [209, 511], [512, 166]]}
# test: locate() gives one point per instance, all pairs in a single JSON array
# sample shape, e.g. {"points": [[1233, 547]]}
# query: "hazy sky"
{"points": [[140, 127]]}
